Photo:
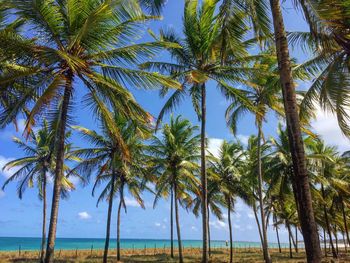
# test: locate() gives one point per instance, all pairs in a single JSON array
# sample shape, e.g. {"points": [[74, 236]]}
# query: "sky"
{"points": [[80, 217]]}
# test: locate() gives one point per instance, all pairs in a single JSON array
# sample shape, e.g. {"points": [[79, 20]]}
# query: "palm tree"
{"points": [[305, 208], [249, 183], [215, 202], [175, 157], [79, 40], [330, 44], [132, 176], [227, 170], [264, 93], [107, 158], [37, 168], [206, 54]]}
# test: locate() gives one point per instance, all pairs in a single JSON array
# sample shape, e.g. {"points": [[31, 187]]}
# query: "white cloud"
{"points": [[243, 138], [237, 215], [214, 146], [157, 224], [84, 215], [21, 125], [2, 193], [217, 224], [326, 125], [131, 202], [236, 226], [249, 227], [240, 206], [194, 228], [7, 172], [250, 215]]}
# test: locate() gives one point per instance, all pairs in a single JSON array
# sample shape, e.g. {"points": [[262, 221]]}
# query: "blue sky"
{"points": [[79, 216]]}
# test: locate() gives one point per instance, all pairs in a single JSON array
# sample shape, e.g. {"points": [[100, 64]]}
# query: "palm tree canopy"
{"points": [[202, 57], [39, 162], [175, 159], [85, 41], [105, 156]]}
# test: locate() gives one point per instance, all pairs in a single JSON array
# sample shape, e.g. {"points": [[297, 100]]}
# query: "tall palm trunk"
{"points": [[328, 227], [59, 168], [181, 260], [43, 236], [296, 240], [230, 228], [205, 255], [261, 201], [290, 242], [109, 216], [336, 239], [306, 212], [325, 242], [278, 236], [345, 244], [118, 222], [172, 222], [209, 246], [345, 222], [291, 234], [258, 223]]}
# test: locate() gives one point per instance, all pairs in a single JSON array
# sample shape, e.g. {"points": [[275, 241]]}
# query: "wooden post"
{"points": [[59, 253], [19, 250], [76, 252], [92, 247], [133, 249]]}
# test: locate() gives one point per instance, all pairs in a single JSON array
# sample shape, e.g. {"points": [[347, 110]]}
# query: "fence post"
{"points": [[92, 247], [19, 250]]}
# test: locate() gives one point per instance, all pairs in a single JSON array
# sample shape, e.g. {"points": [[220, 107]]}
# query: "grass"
{"points": [[162, 255]]}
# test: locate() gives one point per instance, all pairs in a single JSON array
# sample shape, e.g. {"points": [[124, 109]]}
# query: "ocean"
{"points": [[33, 243]]}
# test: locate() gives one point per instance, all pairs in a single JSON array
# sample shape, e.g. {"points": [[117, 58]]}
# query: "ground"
{"points": [[163, 255]]}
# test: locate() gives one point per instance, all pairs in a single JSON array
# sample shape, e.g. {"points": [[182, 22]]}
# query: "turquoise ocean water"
{"points": [[32, 243]]}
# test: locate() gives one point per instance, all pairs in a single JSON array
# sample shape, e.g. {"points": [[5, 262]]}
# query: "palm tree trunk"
{"points": [[336, 239], [43, 236], [345, 245], [258, 224], [261, 201], [59, 169], [334, 253], [118, 228], [181, 260], [345, 222], [325, 242], [278, 237], [172, 223], [306, 215], [230, 228], [290, 242], [291, 234], [209, 247], [109, 216], [296, 239], [205, 255]]}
